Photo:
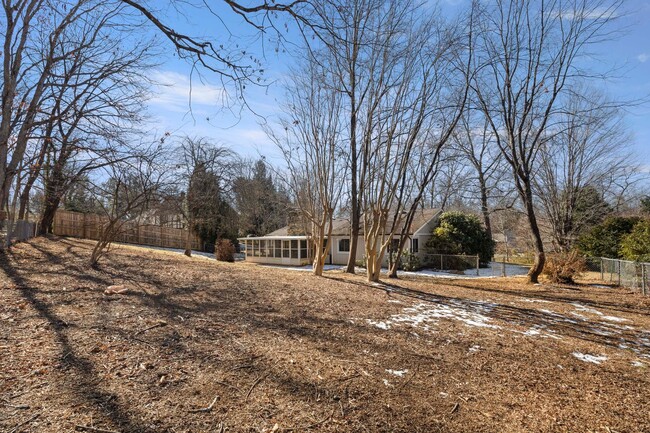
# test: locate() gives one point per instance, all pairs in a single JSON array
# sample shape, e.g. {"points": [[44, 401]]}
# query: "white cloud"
{"points": [[176, 91], [643, 57]]}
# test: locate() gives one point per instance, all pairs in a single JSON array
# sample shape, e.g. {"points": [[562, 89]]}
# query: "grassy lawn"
{"points": [[201, 346]]}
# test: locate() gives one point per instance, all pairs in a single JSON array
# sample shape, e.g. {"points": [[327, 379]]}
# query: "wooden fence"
{"points": [[89, 226]]}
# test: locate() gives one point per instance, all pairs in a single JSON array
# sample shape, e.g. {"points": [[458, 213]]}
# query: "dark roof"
{"points": [[341, 226]]}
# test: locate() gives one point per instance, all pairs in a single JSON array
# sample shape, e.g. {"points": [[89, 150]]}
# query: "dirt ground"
{"points": [[201, 346]]}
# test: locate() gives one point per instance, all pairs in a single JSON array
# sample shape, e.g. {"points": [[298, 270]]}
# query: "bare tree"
{"points": [[484, 174], [34, 30], [415, 107], [94, 105], [586, 161], [527, 59], [313, 152], [131, 187]]}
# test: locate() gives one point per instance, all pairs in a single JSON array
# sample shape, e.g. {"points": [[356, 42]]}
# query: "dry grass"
{"points": [[198, 345]]}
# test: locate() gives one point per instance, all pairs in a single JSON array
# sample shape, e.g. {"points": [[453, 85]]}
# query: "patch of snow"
{"points": [[595, 359], [306, 268], [586, 309], [474, 348], [394, 301], [614, 319], [380, 325], [444, 394], [638, 364], [541, 301], [494, 270], [536, 330], [470, 313], [387, 383], [399, 373]]}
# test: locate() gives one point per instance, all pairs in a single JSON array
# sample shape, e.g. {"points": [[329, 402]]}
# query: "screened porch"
{"points": [[282, 250]]}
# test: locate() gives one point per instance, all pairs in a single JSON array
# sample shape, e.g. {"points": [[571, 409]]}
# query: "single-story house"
{"points": [[282, 248]]}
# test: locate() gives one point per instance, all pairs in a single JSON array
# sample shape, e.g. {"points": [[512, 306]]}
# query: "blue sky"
{"points": [[169, 108]]}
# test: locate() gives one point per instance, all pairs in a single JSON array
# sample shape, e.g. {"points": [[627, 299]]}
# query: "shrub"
{"points": [[461, 233], [410, 262], [604, 240], [564, 267], [225, 251], [636, 245]]}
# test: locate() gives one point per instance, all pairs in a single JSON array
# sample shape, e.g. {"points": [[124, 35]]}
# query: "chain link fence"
{"points": [[470, 265], [624, 273]]}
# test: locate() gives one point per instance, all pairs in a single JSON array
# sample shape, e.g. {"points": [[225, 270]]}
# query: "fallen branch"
{"points": [[207, 408], [160, 324], [19, 406], [93, 429], [15, 429], [455, 408], [259, 379]]}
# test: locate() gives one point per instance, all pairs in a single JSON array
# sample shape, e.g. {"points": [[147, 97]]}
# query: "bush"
{"points": [[564, 267], [636, 245], [225, 251], [461, 233], [410, 262], [604, 240]]}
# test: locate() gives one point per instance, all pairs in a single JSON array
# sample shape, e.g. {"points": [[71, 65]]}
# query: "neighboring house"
{"points": [[282, 248]]}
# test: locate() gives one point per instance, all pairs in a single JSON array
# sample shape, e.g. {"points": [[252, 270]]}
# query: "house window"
{"points": [[415, 247], [286, 249], [344, 245], [303, 250]]}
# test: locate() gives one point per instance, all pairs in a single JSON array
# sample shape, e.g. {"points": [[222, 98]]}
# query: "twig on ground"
{"points": [[160, 324], [227, 385], [259, 379], [14, 406], [32, 418], [93, 429], [455, 408], [207, 408], [310, 426], [409, 379]]}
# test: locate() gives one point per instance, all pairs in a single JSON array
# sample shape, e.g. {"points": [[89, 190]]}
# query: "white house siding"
{"points": [[341, 258]]}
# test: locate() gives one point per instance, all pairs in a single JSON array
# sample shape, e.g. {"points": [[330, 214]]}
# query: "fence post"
{"points": [[619, 272], [602, 270], [643, 278], [503, 267], [441, 268], [477, 266]]}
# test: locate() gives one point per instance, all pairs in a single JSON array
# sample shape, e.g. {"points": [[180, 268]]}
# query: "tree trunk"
{"points": [[485, 210], [354, 193], [188, 242], [51, 205], [540, 257]]}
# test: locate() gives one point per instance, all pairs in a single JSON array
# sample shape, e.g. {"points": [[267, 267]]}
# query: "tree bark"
{"points": [[540, 257]]}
